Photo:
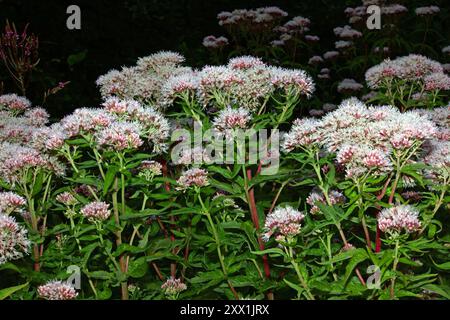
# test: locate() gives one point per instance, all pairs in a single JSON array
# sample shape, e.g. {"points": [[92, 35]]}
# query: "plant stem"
{"points": [[309, 295], [124, 285], [218, 245], [394, 268]]}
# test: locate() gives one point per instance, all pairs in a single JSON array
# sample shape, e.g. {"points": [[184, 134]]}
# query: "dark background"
{"points": [[116, 33]]}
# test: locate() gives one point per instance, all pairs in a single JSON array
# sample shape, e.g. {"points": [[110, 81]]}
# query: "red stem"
{"points": [[255, 219], [173, 266]]}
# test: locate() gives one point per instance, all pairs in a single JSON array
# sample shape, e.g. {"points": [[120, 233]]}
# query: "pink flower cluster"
{"points": [[247, 18], [194, 177], [96, 211], [413, 67], [173, 287], [10, 202], [57, 290], [349, 86], [427, 11], [230, 119], [66, 198], [399, 218], [120, 136], [144, 81], [347, 32], [335, 197], [86, 120], [363, 137], [304, 133], [14, 103], [13, 239], [283, 223], [16, 159], [212, 42]]}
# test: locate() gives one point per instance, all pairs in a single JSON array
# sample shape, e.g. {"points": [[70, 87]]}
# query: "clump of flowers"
{"points": [[144, 81], [304, 133], [427, 11], [173, 287], [193, 178], [86, 121], [349, 86], [13, 239], [149, 169], [398, 219], [10, 202], [15, 160], [120, 136], [66, 198], [14, 103], [283, 223], [228, 120], [296, 82], [97, 211], [409, 68], [212, 42], [405, 77], [334, 197], [57, 290]]}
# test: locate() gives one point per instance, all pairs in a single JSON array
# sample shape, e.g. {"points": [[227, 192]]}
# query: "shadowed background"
{"points": [[116, 33]]}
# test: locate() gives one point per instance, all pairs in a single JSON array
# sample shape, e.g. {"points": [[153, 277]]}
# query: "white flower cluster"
{"points": [[362, 137], [413, 67], [144, 81], [13, 239], [283, 223]]}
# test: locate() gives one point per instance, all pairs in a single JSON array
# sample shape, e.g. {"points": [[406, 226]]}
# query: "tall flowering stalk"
{"points": [[19, 53]]}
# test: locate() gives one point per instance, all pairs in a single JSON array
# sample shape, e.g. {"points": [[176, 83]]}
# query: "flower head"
{"points": [[212, 42], [283, 223], [399, 218], [66, 198], [409, 68], [230, 119], [57, 290], [13, 239], [14, 103], [173, 287], [335, 197], [10, 202], [304, 133], [349, 86], [96, 211], [86, 120], [193, 178], [120, 136], [294, 80]]}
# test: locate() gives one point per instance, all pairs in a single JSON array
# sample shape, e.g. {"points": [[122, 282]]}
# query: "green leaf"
{"points": [[437, 289], [359, 256], [274, 251], [294, 286], [443, 266], [109, 178], [5, 293], [138, 268], [76, 58], [104, 275]]}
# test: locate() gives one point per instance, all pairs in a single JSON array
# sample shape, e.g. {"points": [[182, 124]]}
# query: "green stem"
{"points": [[218, 245], [309, 295], [394, 268]]}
